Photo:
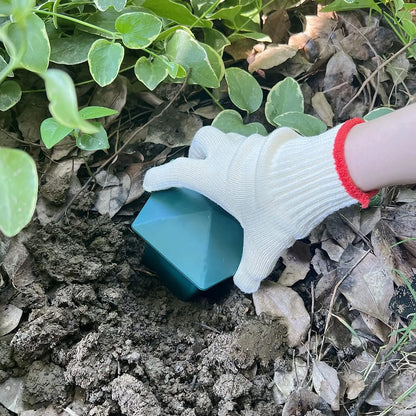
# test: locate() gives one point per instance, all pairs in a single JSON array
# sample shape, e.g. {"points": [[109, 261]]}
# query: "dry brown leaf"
{"points": [[406, 195], [113, 194], [369, 218], [11, 394], [354, 382], [333, 249], [282, 302], [367, 287], [380, 330], [272, 56], [323, 108], [398, 68], [173, 128], [112, 96], [339, 75], [324, 288], [382, 240], [339, 231], [321, 263], [277, 26], [286, 382], [326, 383], [9, 318], [17, 263], [297, 260], [402, 220], [209, 112], [303, 401], [240, 49]]}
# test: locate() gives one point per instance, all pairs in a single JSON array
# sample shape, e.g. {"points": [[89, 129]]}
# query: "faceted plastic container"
{"points": [[191, 243]]}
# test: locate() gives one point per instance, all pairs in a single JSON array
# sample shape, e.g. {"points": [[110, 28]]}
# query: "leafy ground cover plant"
{"points": [[284, 106], [158, 34]]}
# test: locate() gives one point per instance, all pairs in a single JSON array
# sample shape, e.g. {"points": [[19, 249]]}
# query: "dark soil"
{"points": [[101, 335]]}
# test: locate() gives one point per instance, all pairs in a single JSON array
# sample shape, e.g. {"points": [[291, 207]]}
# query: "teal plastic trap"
{"points": [[191, 243]]}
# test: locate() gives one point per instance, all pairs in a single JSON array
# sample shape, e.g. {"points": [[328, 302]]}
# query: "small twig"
{"points": [[375, 72], [70, 412], [129, 138], [210, 328], [334, 293]]}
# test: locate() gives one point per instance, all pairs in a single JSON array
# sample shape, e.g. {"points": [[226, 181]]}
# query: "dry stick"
{"points": [[126, 142], [332, 301], [353, 411], [379, 68]]}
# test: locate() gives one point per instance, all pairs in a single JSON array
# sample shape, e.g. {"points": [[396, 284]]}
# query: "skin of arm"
{"points": [[382, 152]]}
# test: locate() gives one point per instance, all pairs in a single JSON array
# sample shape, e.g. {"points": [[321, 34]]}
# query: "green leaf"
{"points": [[71, 50], [5, 7], [229, 121], [151, 73], [21, 9], [31, 41], [104, 60], [243, 89], [215, 39], [343, 5], [183, 49], [63, 101], [10, 94], [286, 96], [304, 124], [103, 5], [95, 111], [377, 112], [215, 60], [18, 190], [175, 11], [138, 29], [52, 132], [259, 37], [93, 142]]}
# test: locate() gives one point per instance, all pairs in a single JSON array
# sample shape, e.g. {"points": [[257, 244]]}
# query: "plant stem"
{"points": [[113, 35], [212, 7], [213, 99]]}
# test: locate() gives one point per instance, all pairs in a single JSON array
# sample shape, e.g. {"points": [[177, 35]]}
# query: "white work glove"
{"points": [[278, 187]]}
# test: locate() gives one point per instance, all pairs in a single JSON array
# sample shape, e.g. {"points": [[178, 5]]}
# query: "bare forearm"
{"points": [[382, 152]]}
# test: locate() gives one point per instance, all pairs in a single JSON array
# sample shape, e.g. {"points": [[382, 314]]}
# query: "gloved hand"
{"points": [[278, 187]]}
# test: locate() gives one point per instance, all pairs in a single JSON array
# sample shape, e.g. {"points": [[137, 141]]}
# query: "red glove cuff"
{"points": [[341, 165]]}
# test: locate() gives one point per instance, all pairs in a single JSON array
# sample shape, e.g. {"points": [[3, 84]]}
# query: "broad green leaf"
{"points": [[138, 29], [243, 89], [377, 112], [229, 121], [52, 132], [31, 42], [215, 60], [343, 5], [175, 11], [226, 13], [150, 73], [105, 4], [96, 141], [202, 6], [286, 96], [95, 111], [63, 101], [5, 7], [10, 94], [259, 37], [21, 9], [215, 39], [104, 60], [18, 190], [183, 49], [71, 50], [304, 124]]}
